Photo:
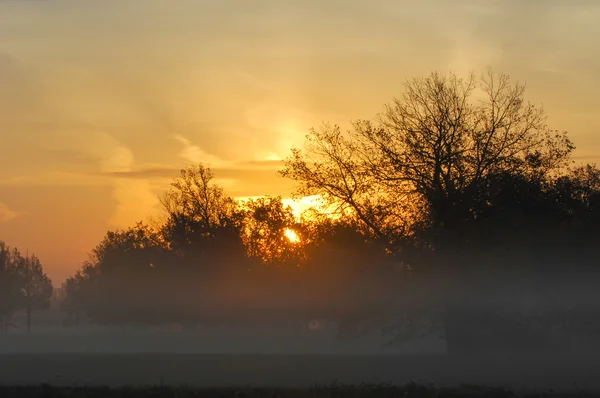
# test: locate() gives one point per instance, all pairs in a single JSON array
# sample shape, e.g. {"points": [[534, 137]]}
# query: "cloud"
{"points": [[6, 214], [152, 172], [23, 97], [237, 177], [247, 177], [136, 200], [261, 164], [229, 169], [102, 159], [281, 128], [13, 180], [194, 154], [57, 178], [120, 159], [72, 157]]}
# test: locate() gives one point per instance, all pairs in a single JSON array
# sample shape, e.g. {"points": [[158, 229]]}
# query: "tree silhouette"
{"points": [[334, 166], [432, 154], [266, 228], [452, 198], [35, 287], [204, 228], [198, 210], [444, 168], [9, 285], [122, 280], [23, 285]]}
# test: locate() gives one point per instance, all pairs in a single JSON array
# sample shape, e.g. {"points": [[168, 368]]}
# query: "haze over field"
{"points": [[102, 102]]}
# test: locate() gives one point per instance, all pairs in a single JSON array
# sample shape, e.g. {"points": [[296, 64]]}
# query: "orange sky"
{"points": [[101, 102]]}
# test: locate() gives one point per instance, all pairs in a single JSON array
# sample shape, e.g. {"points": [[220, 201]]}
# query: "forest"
{"points": [[449, 211]]}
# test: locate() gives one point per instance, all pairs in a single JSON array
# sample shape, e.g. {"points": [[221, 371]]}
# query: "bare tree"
{"points": [[445, 146], [334, 166], [195, 196], [432, 155], [197, 208]]}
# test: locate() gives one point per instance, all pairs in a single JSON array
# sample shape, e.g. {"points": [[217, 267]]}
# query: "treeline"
{"points": [[455, 194], [218, 260], [23, 286]]}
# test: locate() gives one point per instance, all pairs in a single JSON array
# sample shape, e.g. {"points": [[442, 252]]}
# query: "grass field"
{"points": [[298, 371], [351, 391]]}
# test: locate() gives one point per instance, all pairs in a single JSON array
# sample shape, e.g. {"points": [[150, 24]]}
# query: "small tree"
{"points": [[199, 212], [9, 285], [35, 286], [122, 280]]}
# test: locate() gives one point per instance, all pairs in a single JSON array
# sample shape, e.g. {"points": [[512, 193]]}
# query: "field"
{"points": [[230, 361], [297, 371], [371, 391]]}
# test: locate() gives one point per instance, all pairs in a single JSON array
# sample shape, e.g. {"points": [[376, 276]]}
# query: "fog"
{"points": [[522, 330]]}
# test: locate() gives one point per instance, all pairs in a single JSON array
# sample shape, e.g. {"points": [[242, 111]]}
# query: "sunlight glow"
{"points": [[292, 235], [301, 205]]}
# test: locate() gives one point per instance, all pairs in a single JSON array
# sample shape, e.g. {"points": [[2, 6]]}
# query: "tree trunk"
{"points": [[28, 319]]}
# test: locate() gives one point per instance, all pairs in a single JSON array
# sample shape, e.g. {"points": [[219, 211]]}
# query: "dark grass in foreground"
{"points": [[370, 391]]}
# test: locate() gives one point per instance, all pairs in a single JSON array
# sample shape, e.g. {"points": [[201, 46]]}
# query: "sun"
{"points": [[292, 235]]}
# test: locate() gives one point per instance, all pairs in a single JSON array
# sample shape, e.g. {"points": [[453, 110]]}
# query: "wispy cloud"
{"points": [[101, 159], [282, 126], [158, 171], [13, 180], [6, 213], [149, 172], [136, 200], [250, 177], [194, 154]]}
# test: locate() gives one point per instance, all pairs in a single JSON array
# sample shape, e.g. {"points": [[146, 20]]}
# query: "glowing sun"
{"points": [[292, 235]]}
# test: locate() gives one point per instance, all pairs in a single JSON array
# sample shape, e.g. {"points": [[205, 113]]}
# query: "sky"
{"points": [[103, 101]]}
